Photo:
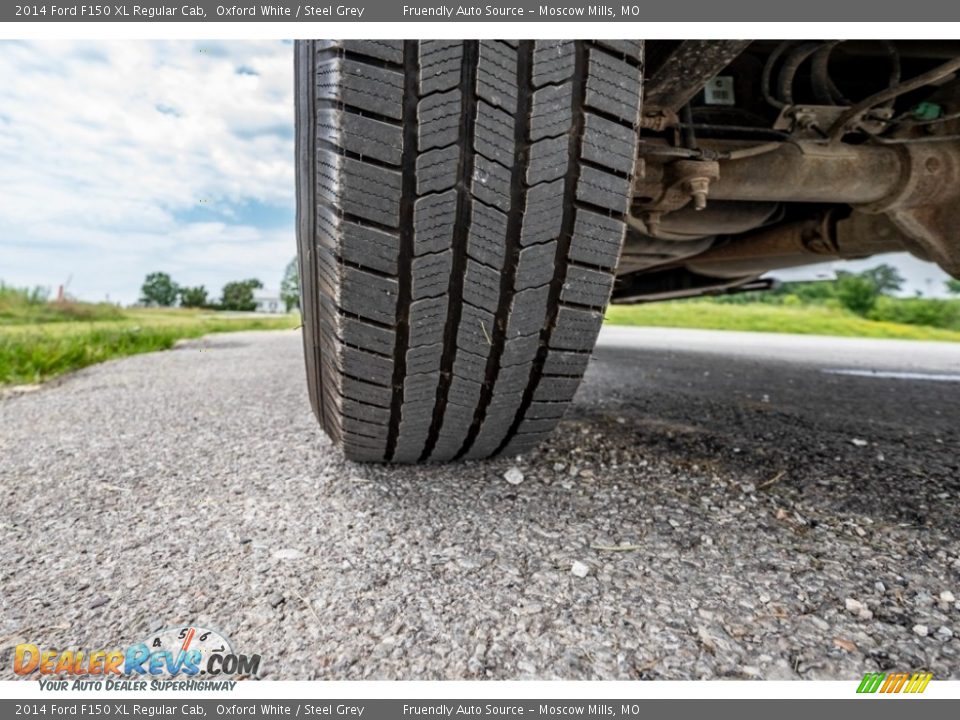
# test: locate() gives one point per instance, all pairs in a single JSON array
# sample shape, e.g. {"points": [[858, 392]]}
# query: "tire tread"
{"points": [[458, 232]]}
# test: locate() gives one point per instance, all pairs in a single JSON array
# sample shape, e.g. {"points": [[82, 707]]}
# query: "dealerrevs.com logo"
{"points": [[176, 658]]}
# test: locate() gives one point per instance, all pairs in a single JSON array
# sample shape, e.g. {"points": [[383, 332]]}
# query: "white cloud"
{"points": [[119, 158]]}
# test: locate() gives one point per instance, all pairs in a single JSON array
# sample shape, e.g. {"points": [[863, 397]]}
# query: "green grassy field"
{"points": [[806, 320], [40, 340]]}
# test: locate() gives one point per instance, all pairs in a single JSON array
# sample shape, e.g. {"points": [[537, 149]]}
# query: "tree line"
{"points": [[871, 294], [160, 290]]}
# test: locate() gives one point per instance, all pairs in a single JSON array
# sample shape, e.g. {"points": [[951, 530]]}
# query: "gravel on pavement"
{"points": [[697, 515]]}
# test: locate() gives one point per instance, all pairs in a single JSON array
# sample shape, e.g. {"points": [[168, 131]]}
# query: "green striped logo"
{"points": [[894, 682], [870, 683]]}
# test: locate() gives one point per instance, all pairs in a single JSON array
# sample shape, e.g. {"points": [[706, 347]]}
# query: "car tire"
{"points": [[460, 212]]}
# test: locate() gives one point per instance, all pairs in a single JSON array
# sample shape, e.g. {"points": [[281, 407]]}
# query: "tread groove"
{"points": [[624, 57], [604, 168], [571, 180], [468, 93], [331, 104], [600, 209], [508, 272], [411, 51], [353, 155]]}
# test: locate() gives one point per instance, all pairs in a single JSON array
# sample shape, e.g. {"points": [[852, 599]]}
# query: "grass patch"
{"points": [[37, 347], [761, 317], [26, 306]]}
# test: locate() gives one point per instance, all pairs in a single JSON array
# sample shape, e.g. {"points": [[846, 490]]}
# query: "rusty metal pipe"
{"points": [[788, 245], [857, 175], [915, 186], [818, 239]]}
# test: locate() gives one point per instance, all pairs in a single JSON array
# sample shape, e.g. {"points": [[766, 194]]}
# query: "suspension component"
{"points": [[915, 185]]}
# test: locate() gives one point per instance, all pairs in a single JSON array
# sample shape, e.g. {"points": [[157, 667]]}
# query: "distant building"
{"points": [[268, 301]]}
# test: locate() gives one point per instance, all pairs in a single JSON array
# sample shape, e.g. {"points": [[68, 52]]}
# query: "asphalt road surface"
{"points": [[714, 506]]}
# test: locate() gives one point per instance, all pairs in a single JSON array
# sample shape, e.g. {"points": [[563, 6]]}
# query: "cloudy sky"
{"points": [[121, 158]]}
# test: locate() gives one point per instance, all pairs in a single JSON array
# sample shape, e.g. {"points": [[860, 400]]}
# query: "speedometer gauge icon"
{"points": [[182, 639]]}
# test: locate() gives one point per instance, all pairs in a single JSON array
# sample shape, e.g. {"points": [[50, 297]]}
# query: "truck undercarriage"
{"points": [[758, 156]]}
